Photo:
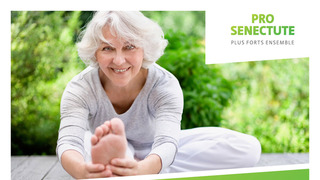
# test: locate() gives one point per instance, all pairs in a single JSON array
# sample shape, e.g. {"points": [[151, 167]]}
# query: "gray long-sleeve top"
{"points": [[152, 122]]}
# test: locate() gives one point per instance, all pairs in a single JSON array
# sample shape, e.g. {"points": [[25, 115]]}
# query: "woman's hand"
{"points": [[123, 167], [130, 167], [94, 171], [73, 162]]}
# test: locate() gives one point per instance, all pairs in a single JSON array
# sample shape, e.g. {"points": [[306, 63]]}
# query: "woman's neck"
{"points": [[136, 84], [123, 97]]}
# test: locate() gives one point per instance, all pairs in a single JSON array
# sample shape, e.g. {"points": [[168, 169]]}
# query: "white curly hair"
{"points": [[134, 27]]}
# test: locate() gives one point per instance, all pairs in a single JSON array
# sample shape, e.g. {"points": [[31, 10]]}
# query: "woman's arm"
{"points": [[73, 162], [74, 116]]}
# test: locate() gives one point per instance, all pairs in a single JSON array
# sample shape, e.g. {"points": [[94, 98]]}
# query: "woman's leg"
{"points": [[213, 148]]}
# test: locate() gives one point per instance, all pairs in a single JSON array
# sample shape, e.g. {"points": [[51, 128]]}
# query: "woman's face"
{"points": [[120, 61]]}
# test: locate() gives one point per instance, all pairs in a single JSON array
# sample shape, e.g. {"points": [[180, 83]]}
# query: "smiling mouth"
{"points": [[120, 70]]}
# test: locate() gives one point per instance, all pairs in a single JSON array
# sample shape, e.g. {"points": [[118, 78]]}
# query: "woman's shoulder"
{"points": [[84, 74], [84, 82], [85, 78], [82, 89], [166, 90], [163, 76], [164, 82]]}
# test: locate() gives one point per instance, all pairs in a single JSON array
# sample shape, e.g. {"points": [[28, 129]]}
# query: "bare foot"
{"points": [[108, 142]]}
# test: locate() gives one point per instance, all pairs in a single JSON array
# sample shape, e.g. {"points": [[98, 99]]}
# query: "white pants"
{"points": [[207, 148]]}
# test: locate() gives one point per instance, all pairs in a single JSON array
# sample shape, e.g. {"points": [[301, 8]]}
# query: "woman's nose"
{"points": [[119, 59]]}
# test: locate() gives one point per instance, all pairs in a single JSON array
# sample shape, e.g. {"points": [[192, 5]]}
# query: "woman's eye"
{"points": [[107, 48], [129, 47]]}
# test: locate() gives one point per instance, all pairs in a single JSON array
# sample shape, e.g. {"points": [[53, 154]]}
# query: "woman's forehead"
{"points": [[111, 36], [110, 43]]}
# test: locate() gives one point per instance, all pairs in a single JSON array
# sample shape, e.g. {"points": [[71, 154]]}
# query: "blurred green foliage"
{"points": [[266, 99], [271, 102], [191, 23], [43, 58]]}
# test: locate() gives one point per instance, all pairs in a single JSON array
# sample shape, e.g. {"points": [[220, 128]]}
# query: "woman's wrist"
{"points": [[73, 162], [70, 159], [150, 165]]}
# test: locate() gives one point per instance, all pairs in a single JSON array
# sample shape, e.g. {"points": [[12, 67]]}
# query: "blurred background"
{"points": [[267, 99]]}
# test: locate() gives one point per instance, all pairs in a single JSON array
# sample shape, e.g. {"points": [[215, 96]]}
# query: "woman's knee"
{"points": [[228, 149], [252, 151]]}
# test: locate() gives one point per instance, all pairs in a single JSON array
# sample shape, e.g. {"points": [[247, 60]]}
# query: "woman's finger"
{"points": [[127, 163], [121, 171], [95, 167], [103, 174]]}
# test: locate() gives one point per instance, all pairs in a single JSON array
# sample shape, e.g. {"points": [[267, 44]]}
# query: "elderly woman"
{"points": [[133, 108]]}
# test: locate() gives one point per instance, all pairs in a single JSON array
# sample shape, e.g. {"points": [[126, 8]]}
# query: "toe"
{"points": [[117, 126], [94, 140], [98, 132], [105, 129]]}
